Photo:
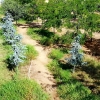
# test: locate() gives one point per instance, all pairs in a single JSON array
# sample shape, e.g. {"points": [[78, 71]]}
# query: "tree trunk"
{"points": [[74, 69], [16, 22], [91, 39]]}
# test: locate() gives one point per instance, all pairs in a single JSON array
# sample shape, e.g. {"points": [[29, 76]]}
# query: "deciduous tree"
{"points": [[14, 8]]}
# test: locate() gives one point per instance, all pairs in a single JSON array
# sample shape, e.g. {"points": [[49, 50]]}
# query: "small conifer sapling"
{"points": [[13, 39], [76, 58]]}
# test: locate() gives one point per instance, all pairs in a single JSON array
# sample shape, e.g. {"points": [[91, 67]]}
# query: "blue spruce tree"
{"points": [[14, 40], [9, 30], [76, 58], [18, 54]]}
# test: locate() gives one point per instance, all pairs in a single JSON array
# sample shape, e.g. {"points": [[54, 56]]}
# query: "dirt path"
{"points": [[38, 70], [96, 35]]}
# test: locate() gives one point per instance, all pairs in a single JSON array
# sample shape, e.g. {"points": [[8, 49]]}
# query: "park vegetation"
{"points": [[75, 71]]}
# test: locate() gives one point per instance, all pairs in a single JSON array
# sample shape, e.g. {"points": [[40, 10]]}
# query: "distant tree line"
{"points": [[77, 14]]}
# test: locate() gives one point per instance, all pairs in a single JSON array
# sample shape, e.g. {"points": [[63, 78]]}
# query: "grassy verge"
{"points": [[5, 50], [1, 12], [43, 36], [48, 38], [18, 89], [69, 88], [22, 90]]}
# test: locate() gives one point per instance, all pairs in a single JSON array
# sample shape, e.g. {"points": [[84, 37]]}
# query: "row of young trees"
{"points": [[13, 39]]}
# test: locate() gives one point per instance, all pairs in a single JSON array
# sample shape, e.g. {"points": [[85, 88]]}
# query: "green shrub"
{"points": [[49, 38], [22, 90], [33, 32], [56, 54], [54, 39], [73, 90], [46, 33]]}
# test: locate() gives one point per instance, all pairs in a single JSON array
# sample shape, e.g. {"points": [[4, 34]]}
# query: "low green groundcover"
{"points": [[22, 90]]}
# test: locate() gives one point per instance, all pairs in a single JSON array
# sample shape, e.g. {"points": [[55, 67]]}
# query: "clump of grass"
{"points": [[31, 54], [22, 90], [92, 61], [56, 54], [21, 21]]}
